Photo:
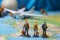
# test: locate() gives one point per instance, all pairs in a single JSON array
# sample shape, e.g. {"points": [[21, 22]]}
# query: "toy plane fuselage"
{"points": [[23, 13]]}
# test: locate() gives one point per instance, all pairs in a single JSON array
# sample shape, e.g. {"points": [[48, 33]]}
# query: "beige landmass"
{"points": [[2, 37]]}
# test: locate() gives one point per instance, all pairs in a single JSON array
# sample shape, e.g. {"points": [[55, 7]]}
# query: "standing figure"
{"points": [[44, 27], [26, 28], [43, 12], [36, 29]]}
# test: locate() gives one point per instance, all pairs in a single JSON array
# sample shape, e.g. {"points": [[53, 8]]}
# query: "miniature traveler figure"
{"points": [[20, 23], [36, 33], [44, 27], [43, 12], [26, 28]]}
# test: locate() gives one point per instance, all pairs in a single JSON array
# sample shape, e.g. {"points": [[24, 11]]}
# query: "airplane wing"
{"points": [[21, 10], [34, 15], [10, 10]]}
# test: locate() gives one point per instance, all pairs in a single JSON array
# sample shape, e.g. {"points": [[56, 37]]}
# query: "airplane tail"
{"points": [[32, 10]]}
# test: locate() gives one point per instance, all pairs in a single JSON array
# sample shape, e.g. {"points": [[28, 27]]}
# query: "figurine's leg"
{"points": [[27, 32], [34, 31], [43, 32]]}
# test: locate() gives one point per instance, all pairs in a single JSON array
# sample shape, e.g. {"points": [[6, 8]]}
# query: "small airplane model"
{"points": [[24, 14]]}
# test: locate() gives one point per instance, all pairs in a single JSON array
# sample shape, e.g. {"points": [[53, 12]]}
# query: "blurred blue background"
{"points": [[50, 5]]}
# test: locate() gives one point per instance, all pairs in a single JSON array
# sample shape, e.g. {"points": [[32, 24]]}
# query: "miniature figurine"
{"points": [[36, 29], [43, 12], [26, 27], [44, 27]]}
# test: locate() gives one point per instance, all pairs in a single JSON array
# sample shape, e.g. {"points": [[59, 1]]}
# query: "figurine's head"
{"points": [[36, 22], [26, 20], [42, 11], [45, 22]]}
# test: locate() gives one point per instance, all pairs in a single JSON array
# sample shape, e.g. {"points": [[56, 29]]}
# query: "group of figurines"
{"points": [[26, 28]]}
